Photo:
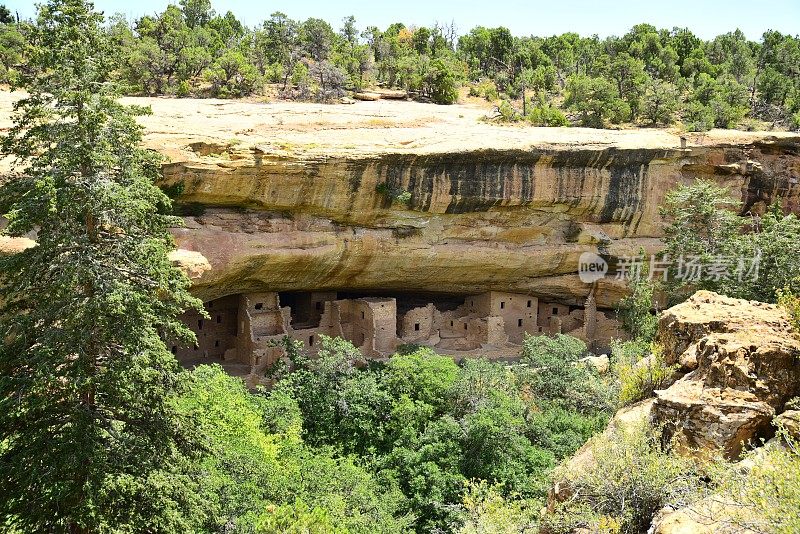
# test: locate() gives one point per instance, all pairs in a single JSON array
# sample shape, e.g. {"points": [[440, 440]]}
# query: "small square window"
{"points": [[259, 305], [519, 322], [311, 341], [529, 303], [465, 326], [502, 305], [416, 326], [451, 323], [555, 311], [216, 343]]}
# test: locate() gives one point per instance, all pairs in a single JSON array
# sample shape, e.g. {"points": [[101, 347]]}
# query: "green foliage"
{"points": [[232, 75], [546, 115], [485, 88], [596, 101], [630, 479], [89, 427], [646, 76], [661, 100], [258, 474], [767, 495], [429, 425], [489, 512], [422, 375], [702, 227], [635, 310], [556, 376], [394, 193], [789, 300], [640, 372]]}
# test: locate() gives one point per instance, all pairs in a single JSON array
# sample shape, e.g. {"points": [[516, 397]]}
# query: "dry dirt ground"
{"points": [[367, 128]]}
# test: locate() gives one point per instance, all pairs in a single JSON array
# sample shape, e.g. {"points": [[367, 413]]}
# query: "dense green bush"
{"points": [[640, 373], [546, 115], [430, 425], [630, 478], [757, 260]]}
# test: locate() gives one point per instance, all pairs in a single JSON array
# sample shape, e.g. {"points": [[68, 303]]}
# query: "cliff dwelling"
{"points": [[243, 331]]}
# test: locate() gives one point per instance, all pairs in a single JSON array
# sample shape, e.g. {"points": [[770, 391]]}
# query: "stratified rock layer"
{"points": [[480, 220], [392, 196]]}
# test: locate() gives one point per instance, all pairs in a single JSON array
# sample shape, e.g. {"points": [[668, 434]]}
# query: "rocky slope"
{"points": [[740, 364]]}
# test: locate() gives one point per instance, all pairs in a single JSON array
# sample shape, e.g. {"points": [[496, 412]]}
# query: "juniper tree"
{"points": [[90, 438]]}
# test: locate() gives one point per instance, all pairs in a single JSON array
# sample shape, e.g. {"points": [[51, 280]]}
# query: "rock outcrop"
{"points": [[743, 363], [397, 196], [402, 196]]}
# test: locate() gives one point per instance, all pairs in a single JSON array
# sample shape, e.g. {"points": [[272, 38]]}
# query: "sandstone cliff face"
{"points": [[292, 200], [477, 220]]}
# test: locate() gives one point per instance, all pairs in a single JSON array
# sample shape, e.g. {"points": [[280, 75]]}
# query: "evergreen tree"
{"points": [[90, 436]]}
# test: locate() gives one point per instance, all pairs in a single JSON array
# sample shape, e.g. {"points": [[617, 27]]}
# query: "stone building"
{"points": [[244, 331]]}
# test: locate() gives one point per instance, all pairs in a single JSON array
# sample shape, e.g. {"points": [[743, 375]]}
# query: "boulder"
{"points": [[743, 361], [367, 96], [13, 245], [192, 263], [600, 363], [392, 94], [789, 420]]}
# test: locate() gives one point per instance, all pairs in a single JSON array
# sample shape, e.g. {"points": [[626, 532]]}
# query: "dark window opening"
{"points": [[311, 341], [502, 305], [199, 324], [529, 303], [362, 314], [519, 322], [451, 323], [259, 305], [174, 349], [416, 326], [555, 311], [216, 343], [318, 305], [465, 326]]}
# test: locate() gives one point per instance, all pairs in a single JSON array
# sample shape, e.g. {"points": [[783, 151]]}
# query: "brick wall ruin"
{"points": [[244, 331]]}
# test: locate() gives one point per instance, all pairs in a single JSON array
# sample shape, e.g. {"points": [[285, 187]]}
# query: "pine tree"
{"points": [[90, 437]]}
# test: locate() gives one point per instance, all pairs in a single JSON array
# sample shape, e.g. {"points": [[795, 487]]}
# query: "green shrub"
{"points": [[767, 495], [554, 375], [422, 375], [791, 303], [547, 115], [507, 112], [638, 380], [489, 512], [698, 117], [635, 310], [629, 479], [485, 88]]}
